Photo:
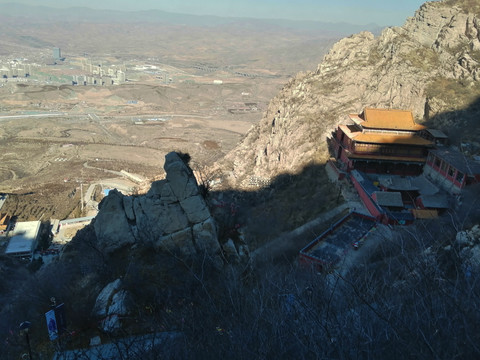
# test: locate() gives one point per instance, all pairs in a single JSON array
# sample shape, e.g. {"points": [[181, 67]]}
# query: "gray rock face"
{"points": [[111, 224], [112, 305], [202, 237], [405, 67], [180, 177], [231, 252], [469, 247], [120, 303], [172, 216], [195, 209], [128, 206], [178, 242], [103, 299]]}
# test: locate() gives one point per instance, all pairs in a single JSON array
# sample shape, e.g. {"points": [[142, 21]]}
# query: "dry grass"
{"points": [[468, 6], [454, 92], [423, 58], [211, 145]]}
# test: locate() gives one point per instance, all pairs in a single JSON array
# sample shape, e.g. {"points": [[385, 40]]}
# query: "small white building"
{"points": [[82, 220], [23, 240]]}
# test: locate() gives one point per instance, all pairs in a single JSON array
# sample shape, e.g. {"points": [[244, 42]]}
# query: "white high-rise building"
{"points": [[57, 54]]}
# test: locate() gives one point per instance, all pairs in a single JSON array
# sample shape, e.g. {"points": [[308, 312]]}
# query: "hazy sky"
{"points": [[381, 12]]}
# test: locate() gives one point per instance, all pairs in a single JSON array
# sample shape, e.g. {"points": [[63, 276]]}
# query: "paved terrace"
{"points": [[330, 248]]}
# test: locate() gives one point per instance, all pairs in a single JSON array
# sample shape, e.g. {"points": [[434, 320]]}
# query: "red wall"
{"points": [[370, 205]]}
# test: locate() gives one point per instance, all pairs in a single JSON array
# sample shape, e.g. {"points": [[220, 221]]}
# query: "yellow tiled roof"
{"points": [[387, 119], [346, 130]]}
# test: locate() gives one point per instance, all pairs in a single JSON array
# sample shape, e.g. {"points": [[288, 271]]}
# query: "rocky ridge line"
{"points": [[403, 68]]}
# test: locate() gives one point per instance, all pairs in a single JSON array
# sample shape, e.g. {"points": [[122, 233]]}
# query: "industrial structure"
{"points": [[23, 240], [57, 56]]}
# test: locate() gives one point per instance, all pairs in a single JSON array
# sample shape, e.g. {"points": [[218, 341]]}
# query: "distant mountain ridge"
{"points": [[430, 65], [84, 14]]}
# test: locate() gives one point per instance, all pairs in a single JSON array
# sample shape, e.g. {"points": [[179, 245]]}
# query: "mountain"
{"points": [[84, 14], [430, 65]]}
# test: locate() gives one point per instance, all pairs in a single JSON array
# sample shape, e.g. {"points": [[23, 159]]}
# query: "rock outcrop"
{"points": [[468, 242], [430, 66], [172, 216], [112, 304]]}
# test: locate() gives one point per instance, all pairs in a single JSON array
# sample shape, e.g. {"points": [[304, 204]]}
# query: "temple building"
{"points": [[401, 170], [382, 141], [451, 170]]}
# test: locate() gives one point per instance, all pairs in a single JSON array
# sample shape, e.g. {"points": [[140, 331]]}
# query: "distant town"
{"points": [[57, 69]]}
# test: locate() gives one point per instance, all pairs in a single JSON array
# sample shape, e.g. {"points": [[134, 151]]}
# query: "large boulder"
{"points": [[111, 224], [468, 242], [180, 177], [205, 237], [172, 216], [103, 299], [112, 305], [231, 252]]}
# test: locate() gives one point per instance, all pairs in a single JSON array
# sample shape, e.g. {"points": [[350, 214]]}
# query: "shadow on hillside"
{"points": [[461, 125], [293, 200], [262, 214]]}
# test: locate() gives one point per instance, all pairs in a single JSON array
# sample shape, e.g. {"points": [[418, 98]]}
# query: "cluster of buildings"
{"points": [[401, 170], [21, 238], [15, 69], [96, 74]]}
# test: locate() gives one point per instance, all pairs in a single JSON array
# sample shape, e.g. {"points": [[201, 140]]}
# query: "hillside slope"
{"points": [[430, 65]]}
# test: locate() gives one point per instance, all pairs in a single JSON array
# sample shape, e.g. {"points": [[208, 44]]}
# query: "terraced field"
{"points": [[45, 155]]}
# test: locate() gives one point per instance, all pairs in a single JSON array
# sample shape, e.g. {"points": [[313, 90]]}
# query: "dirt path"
{"points": [[118, 173]]}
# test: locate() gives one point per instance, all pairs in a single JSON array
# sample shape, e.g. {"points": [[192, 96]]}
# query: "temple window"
{"points": [[460, 177]]}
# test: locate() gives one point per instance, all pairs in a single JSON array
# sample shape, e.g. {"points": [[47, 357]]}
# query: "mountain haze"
{"points": [[85, 14], [282, 47]]}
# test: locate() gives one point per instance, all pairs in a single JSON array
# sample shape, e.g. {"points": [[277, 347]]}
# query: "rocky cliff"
{"points": [[430, 66], [172, 216]]}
